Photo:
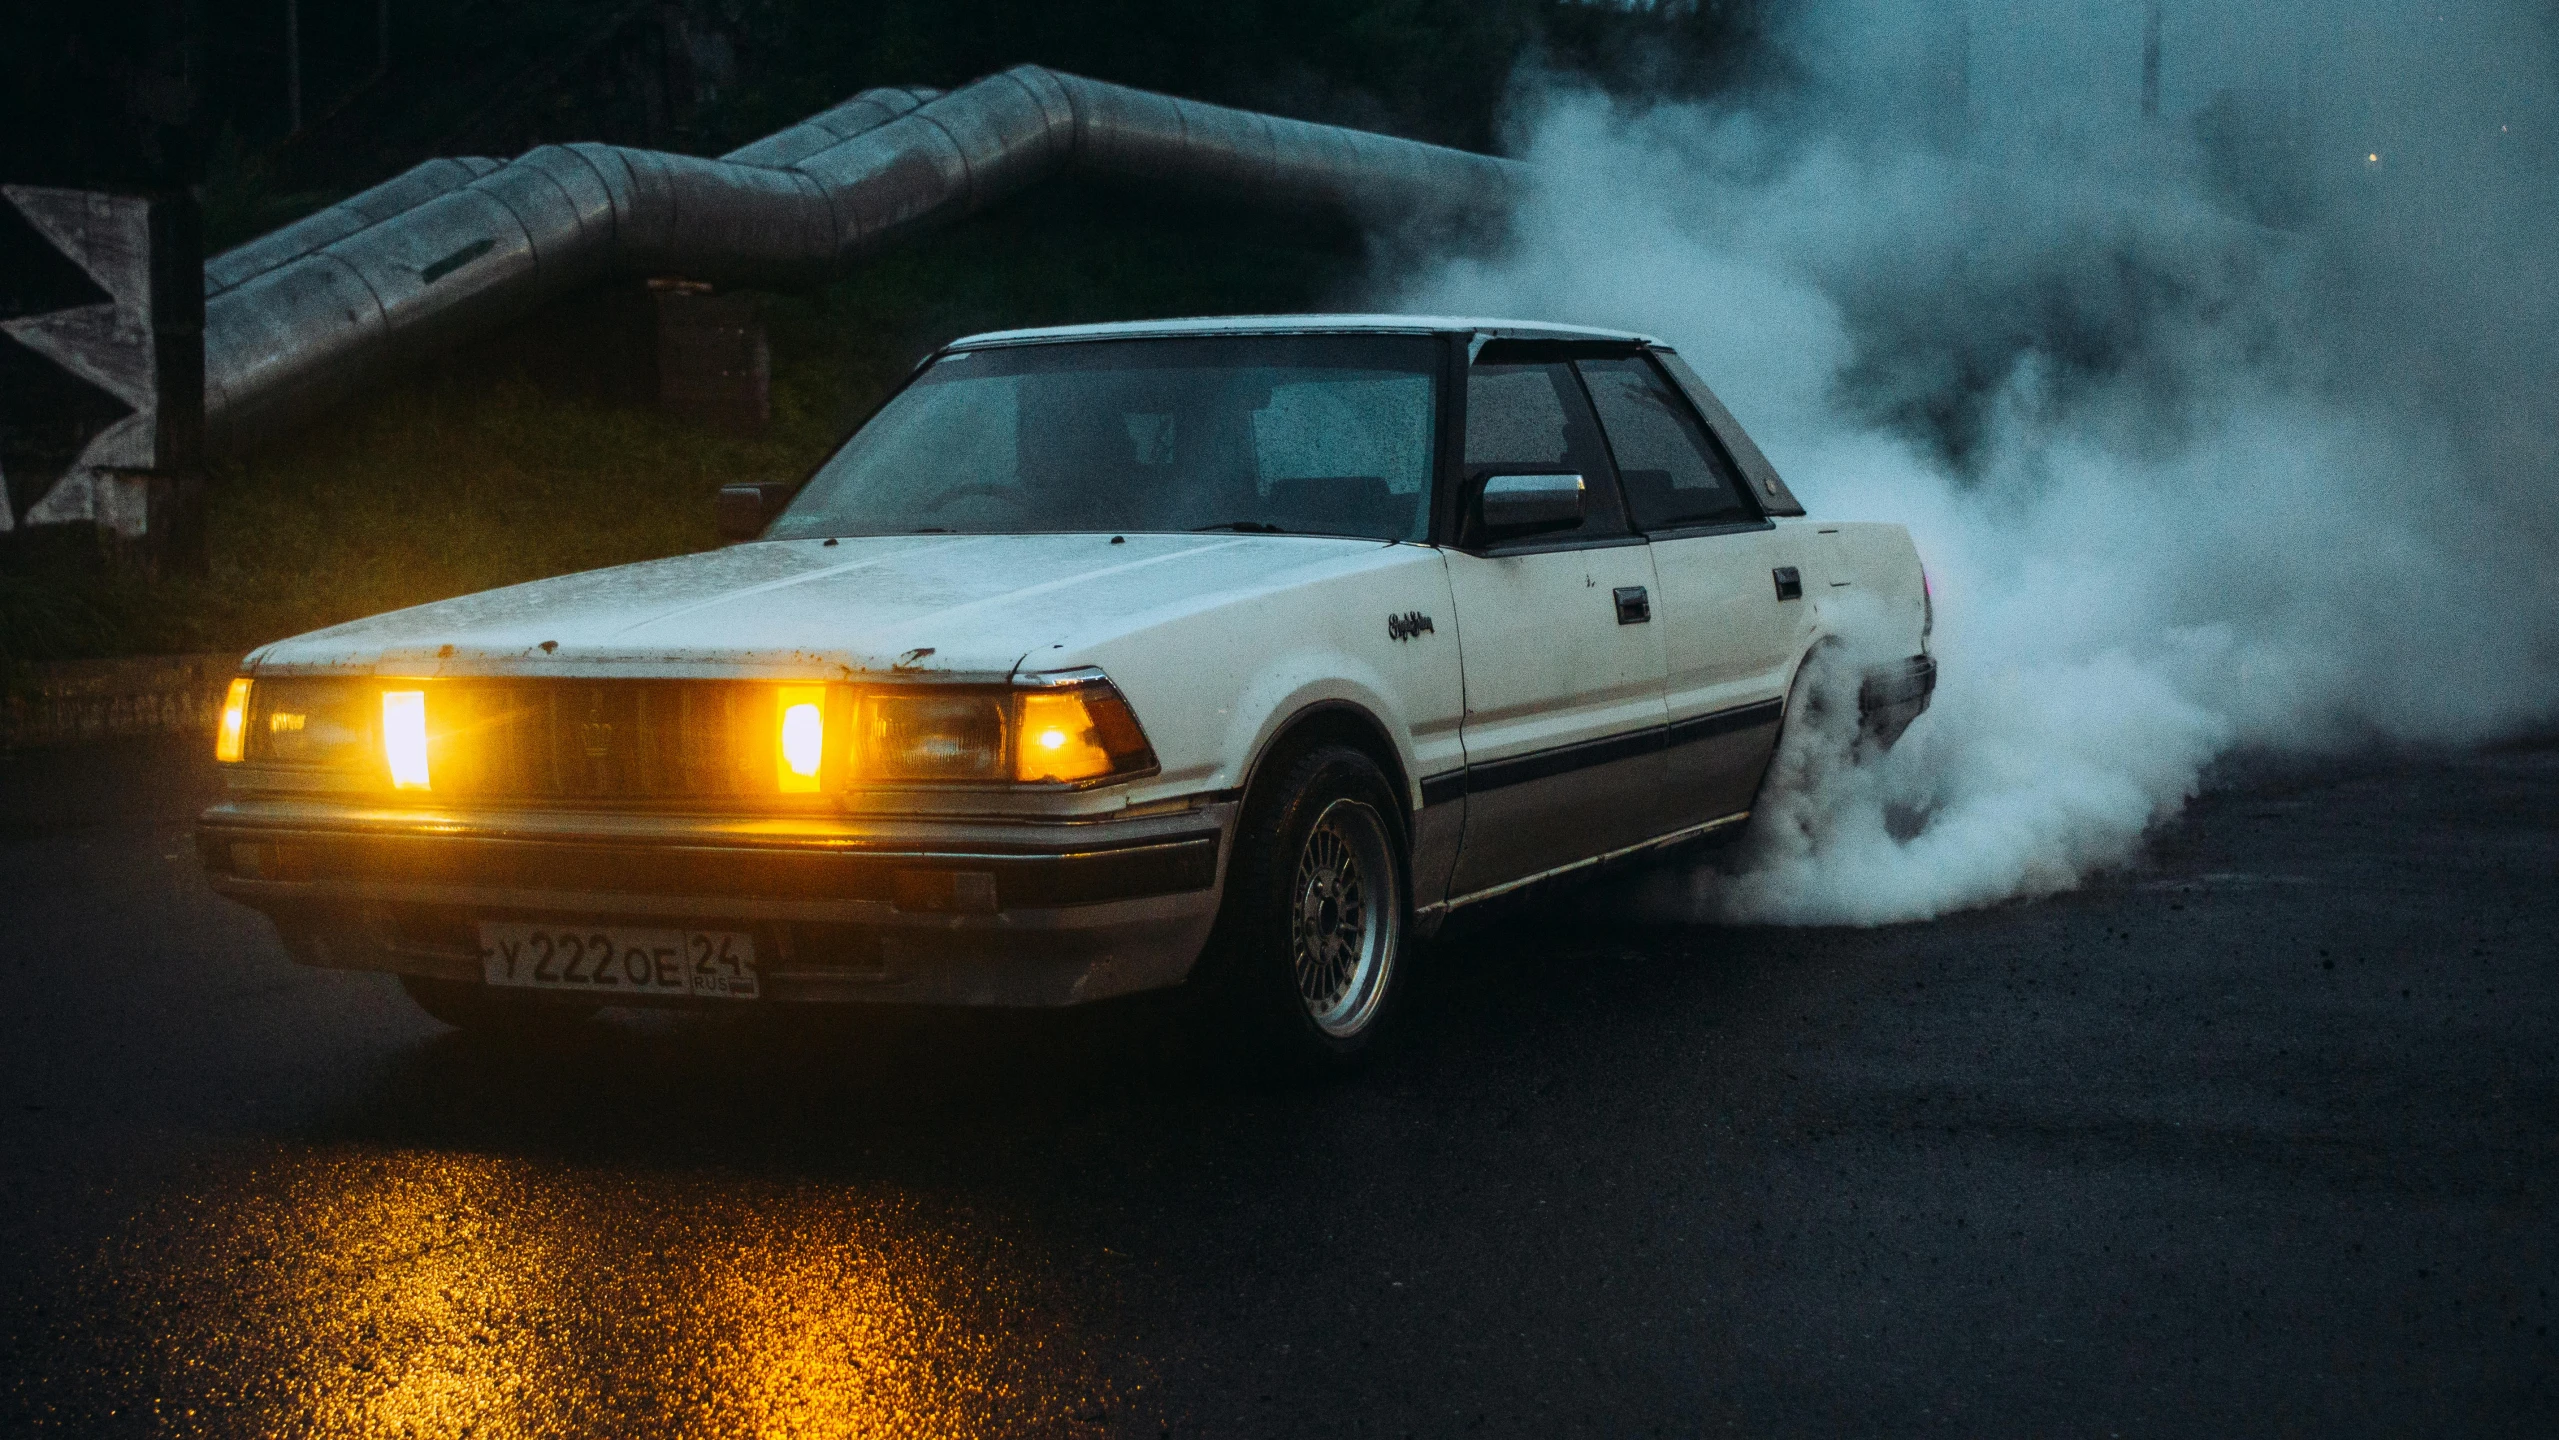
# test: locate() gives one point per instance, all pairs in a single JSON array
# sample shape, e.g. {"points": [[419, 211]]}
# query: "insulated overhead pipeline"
{"points": [[425, 181], [401, 193], [340, 300]]}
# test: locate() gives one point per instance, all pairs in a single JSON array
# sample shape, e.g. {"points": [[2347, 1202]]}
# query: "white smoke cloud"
{"points": [[2234, 427]]}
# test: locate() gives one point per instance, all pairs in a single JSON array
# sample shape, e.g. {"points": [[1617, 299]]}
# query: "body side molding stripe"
{"points": [[1564, 759], [1440, 789], [1725, 722]]}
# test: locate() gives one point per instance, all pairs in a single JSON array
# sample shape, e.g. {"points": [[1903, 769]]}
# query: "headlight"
{"points": [[354, 729], [312, 724], [1070, 729], [931, 735]]}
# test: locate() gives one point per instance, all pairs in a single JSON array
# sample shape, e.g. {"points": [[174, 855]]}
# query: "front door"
{"points": [[1563, 662]]}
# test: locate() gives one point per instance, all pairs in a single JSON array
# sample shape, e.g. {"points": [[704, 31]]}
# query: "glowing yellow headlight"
{"points": [[1074, 732], [803, 738], [404, 738], [231, 741]]}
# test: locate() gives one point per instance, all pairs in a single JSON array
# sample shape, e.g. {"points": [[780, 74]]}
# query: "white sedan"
{"points": [[1101, 659]]}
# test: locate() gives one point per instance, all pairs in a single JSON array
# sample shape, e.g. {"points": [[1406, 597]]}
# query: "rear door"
{"points": [[1730, 605], [1563, 662]]}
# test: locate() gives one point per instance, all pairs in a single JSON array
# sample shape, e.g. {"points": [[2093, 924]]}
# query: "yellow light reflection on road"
{"points": [[440, 1295]]}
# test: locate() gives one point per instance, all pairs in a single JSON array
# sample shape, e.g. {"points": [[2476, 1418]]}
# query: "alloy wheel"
{"points": [[1345, 917]]}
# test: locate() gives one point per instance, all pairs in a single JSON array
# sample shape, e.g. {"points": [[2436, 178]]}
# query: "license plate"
{"points": [[608, 960]]}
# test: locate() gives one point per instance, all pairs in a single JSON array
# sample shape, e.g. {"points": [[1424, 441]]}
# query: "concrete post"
{"points": [[140, 479]]}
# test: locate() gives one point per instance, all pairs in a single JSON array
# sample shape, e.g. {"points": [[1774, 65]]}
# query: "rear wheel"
{"points": [[1306, 954], [468, 1005], [1816, 732]]}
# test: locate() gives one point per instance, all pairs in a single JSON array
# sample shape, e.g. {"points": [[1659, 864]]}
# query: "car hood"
{"points": [[978, 604]]}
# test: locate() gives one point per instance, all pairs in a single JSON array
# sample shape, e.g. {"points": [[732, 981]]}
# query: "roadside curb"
{"points": [[75, 702]]}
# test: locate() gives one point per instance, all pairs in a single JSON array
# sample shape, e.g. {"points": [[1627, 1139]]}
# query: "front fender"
{"points": [[1214, 686], [1301, 685]]}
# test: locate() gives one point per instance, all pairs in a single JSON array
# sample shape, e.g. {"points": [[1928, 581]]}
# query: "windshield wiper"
{"points": [[1248, 527]]}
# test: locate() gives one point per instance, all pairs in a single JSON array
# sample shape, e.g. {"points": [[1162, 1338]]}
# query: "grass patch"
{"points": [[513, 460]]}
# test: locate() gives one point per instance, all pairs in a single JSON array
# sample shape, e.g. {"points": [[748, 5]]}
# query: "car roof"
{"points": [[1300, 325]]}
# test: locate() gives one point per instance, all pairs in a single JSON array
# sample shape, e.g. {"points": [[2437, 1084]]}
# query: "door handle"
{"points": [[1790, 582], [1634, 607]]}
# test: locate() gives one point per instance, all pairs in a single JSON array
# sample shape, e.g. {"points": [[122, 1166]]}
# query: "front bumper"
{"points": [[967, 912]]}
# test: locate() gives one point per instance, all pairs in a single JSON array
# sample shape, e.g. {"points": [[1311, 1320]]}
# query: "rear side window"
{"points": [[1533, 416], [1674, 474]]}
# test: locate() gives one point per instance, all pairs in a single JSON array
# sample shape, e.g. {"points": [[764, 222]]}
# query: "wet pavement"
{"points": [[2261, 1137]]}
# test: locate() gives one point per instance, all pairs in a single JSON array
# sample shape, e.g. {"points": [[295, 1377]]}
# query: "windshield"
{"points": [[1295, 434]]}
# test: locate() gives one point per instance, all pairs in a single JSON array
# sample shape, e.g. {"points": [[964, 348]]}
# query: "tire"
{"points": [[472, 1007], [1310, 939], [1806, 739]]}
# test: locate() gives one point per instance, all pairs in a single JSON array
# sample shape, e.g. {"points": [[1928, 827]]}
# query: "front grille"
{"points": [[604, 740]]}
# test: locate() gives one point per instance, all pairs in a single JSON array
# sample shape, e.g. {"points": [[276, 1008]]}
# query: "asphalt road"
{"points": [[2255, 1139]]}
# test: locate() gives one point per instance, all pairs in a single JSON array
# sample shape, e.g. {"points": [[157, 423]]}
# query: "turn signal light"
{"points": [[404, 738], [231, 741], [1080, 734]]}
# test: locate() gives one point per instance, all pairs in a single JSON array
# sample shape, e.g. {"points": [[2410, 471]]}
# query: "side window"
{"points": [[1673, 472], [1521, 415]]}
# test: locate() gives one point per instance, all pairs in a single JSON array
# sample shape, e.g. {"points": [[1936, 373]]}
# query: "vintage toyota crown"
{"points": [[1235, 652]]}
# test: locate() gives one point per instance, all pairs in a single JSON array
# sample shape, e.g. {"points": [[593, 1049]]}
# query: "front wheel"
{"points": [[1304, 960]]}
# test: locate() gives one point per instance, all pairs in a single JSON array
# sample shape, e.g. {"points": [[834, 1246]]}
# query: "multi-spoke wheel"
{"points": [[1314, 918], [1343, 928]]}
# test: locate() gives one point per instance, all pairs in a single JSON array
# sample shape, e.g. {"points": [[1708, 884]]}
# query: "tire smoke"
{"points": [[2235, 427]]}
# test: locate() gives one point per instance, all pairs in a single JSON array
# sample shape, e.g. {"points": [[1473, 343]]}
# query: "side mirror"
{"points": [[1511, 506], [744, 510]]}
